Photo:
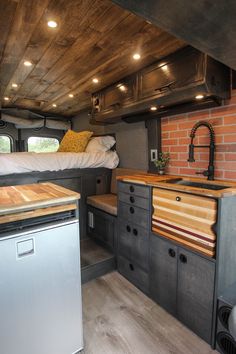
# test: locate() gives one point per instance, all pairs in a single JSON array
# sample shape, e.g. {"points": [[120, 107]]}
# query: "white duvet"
{"points": [[20, 162]]}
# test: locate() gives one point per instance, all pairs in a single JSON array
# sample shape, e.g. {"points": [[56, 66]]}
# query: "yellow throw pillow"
{"points": [[74, 142]]}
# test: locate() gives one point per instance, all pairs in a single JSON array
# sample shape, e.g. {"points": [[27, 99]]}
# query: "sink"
{"points": [[183, 182]]}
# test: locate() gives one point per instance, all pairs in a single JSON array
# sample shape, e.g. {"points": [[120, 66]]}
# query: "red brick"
{"points": [[165, 135], [230, 175], [186, 125], [230, 138], [178, 134], [169, 127], [183, 156], [200, 115], [169, 141], [187, 171], [184, 141], [226, 129], [230, 156], [182, 148], [230, 120], [225, 110]]}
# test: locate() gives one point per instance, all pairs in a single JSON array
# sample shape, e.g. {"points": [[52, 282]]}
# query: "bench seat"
{"points": [[104, 202]]}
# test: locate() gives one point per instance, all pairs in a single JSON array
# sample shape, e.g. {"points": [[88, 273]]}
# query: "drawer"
{"points": [[134, 200], [134, 189], [133, 214], [133, 273], [185, 218], [133, 243]]}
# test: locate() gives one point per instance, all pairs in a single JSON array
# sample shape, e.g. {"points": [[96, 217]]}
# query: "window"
{"points": [[38, 144], [5, 144]]}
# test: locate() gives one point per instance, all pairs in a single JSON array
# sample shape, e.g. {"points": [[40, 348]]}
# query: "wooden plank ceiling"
{"points": [[94, 38]]}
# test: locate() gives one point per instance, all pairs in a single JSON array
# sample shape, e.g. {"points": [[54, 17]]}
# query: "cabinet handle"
{"points": [[171, 252], [135, 232], [131, 209], [178, 199], [131, 267], [132, 200], [128, 228], [182, 258], [131, 188]]}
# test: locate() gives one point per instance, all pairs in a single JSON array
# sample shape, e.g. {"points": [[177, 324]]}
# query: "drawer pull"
{"points": [[131, 209], [131, 267], [135, 232], [171, 252], [128, 228], [132, 200], [178, 199], [183, 258], [131, 188]]}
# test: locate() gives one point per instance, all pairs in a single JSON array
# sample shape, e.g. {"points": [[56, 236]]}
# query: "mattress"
{"points": [[22, 162]]}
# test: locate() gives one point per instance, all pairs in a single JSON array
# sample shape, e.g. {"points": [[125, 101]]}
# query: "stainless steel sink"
{"points": [[183, 182]]}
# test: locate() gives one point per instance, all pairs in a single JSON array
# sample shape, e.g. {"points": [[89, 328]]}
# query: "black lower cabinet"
{"points": [[195, 293], [163, 273], [183, 283]]}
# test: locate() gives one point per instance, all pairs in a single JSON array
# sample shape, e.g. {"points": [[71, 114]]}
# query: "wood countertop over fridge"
{"points": [[32, 200]]}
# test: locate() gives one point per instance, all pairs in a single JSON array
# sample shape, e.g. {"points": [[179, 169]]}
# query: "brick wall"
{"points": [[175, 139]]}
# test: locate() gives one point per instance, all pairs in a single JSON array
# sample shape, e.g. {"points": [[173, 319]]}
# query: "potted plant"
{"points": [[162, 162]]}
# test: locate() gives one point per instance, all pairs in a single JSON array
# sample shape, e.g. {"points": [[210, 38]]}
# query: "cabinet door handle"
{"points": [[132, 200], [131, 267], [178, 199], [135, 232], [131, 209], [128, 228], [183, 258], [171, 252], [131, 188]]}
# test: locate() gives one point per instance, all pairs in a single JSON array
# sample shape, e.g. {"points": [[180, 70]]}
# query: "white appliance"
{"points": [[40, 287]]}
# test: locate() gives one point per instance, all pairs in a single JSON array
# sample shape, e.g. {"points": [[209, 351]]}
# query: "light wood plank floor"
{"points": [[120, 319]]}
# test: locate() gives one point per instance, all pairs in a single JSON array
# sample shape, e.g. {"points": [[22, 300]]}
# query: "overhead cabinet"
{"points": [[172, 81]]}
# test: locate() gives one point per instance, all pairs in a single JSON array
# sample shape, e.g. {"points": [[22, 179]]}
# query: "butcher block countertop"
{"points": [[32, 200], [162, 182]]}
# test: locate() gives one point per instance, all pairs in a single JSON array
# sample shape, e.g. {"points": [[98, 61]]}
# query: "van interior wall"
{"points": [[131, 140]]}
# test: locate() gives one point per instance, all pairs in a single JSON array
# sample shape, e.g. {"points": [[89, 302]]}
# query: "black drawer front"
{"points": [[133, 189], [133, 214], [133, 273], [134, 200], [133, 243]]}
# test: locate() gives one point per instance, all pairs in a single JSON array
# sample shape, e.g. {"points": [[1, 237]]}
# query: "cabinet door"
{"points": [[163, 273], [195, 292], [133, 243]]}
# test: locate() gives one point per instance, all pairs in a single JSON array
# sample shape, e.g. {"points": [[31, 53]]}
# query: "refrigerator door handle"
{"points": [[25, 248]]}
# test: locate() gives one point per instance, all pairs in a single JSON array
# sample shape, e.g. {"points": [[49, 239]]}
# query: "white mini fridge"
{"points": [[40, 289]]}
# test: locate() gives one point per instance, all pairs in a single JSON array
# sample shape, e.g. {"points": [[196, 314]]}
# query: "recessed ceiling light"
{"points": [[54, 105], [95, 80], [199, 97], [153, 108], [6, 98], [71, 95], [52, 24], [27, 63], [14, 85], [121, 87], [136, 56]]}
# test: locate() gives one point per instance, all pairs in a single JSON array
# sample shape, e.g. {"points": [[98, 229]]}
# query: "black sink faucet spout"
{"points": [[210, 171]]}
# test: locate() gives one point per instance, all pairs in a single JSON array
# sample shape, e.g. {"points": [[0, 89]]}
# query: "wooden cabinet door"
{"points": [[163, 273], [195, 292]]}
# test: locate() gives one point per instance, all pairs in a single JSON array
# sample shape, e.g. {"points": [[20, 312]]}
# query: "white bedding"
{"points": [[20, 162]]}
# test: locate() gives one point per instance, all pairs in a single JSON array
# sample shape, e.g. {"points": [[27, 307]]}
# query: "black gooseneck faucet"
{"points": [[210, 171]]}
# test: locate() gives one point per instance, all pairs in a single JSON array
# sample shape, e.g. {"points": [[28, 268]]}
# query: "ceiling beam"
{"points": [[208, 25]]}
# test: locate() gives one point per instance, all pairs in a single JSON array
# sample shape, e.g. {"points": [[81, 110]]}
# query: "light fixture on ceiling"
{"points": [[153, 108], [27, 63], [52, 24], [6, 98], [14, 85], [95, 80], [71, 95], [136, 56], [199, 97], [122, 87], [54, 105]]}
